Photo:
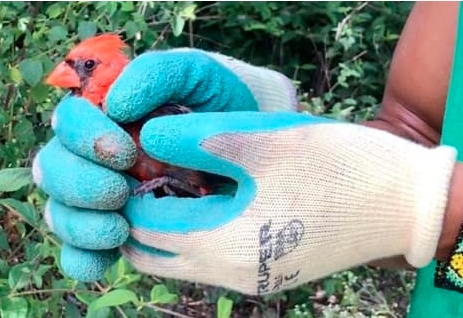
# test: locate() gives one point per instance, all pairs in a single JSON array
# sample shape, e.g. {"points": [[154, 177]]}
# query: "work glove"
{"points": [[313, 196], [78, 171]]}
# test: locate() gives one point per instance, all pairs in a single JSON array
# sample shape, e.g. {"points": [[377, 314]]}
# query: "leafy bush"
{"points": [[337, 53]]}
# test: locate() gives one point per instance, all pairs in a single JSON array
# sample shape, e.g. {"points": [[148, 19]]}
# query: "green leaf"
{"points": [[24, 209], [114, 298], [23, 23], [121, 267], [48, 65], [110, 8], [86, 29], [127, 6], [86, 298], [71, 310], [38, 274], [126, 280], [4, 240], [15, 75], [131, 29], [18, 277], [177, 25], [57, 33], [55, 10], [160, 295], [40, 93], [4, 268], [31, 71], [189, 12], [100, 313], [12, 179], [15, 307], [224, 307], [23, 131], [18, 4], [308, 67], [3, 117], [117, 275]]}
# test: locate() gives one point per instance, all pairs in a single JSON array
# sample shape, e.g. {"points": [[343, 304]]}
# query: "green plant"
{"points": [[337, 53]]}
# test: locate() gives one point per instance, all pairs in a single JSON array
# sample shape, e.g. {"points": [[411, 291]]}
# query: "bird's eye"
{"points": [[89, 65]]}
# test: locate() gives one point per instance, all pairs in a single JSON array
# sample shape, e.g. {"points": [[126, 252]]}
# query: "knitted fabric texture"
{"points": [[272, 90], [331, 197]]}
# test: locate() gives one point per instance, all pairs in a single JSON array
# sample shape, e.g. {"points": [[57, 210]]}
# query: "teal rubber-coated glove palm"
{"points": [[313, 197], [77, 168]]}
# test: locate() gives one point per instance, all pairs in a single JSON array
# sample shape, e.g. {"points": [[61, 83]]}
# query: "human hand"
{"points": [[313, 197], [79, 127], [80, 190]]}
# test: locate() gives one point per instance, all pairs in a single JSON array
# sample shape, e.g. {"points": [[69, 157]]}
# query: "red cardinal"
{"points": [[88, 71]]}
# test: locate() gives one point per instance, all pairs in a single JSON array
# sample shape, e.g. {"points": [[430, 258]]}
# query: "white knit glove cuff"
{"points": [[272, 90]]}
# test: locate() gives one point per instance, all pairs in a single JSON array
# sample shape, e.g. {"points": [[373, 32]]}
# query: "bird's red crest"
{"points": [[106, 46]]}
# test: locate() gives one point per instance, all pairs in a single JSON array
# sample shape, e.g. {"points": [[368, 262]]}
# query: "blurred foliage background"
{"points": [[337, 53]]}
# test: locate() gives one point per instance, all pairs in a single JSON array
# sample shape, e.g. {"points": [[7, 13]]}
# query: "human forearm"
{"points": [[416, 90]]}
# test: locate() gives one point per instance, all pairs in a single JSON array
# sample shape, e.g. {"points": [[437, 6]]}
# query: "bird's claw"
{"points": [[169, 185]]}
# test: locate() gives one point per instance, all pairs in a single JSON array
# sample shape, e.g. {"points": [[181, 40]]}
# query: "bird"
{"points": [[88, 71]]}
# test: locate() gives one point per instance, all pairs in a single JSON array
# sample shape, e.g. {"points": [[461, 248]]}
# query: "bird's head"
{"points": [[90, 68]]}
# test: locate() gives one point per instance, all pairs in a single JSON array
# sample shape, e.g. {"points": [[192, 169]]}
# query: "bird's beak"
{"points": [[64, 76]]}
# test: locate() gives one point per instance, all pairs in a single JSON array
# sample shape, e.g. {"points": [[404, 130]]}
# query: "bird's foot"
{"points": [[170, 186]]}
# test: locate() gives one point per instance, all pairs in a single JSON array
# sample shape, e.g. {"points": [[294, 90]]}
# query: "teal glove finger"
{"points": [[86, 265], [90, 239], [188, 77], [88, 132], [177, 140], [87, 229], [76, 181]]}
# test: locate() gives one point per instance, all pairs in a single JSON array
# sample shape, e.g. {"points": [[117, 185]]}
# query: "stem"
{"points": [[66, 14], [161, 36], [52, 291], [344, 21], [14, 252], [208, 17], [167, 311], [190, 32], [121, 312], [8, 96], [206, 39], [206, 7], [101, 288]]}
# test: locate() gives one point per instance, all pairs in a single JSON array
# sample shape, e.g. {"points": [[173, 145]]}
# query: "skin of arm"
{"points": [[415, 96]]}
